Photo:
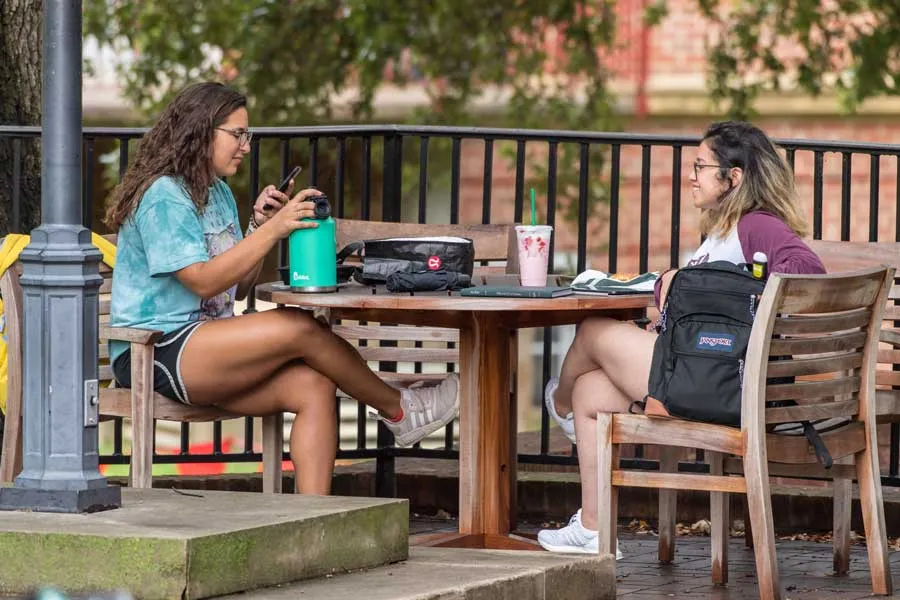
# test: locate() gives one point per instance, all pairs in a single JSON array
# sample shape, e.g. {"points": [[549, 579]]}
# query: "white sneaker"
{"points": [[574, 538], [567, 423], [425, 410]]}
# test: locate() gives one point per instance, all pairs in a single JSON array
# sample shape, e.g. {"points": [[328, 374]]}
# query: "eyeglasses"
{"points": [[698, 166], [241, 135]]}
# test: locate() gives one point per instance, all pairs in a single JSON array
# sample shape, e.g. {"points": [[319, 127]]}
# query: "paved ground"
{"points": [[804, 568]]}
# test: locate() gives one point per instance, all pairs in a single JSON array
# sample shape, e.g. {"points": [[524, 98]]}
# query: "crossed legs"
{"points": [[606, 368], [283, 360]]}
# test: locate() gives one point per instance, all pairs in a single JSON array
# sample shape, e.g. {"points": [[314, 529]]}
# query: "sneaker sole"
{"points": [[572, 550], [566, 549], [421, 433]]}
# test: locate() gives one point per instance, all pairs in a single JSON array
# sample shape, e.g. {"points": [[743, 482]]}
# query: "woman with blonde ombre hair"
{"points": [[746, 193]]}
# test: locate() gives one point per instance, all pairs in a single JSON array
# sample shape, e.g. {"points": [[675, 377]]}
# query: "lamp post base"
{"points": [[61, 501]]}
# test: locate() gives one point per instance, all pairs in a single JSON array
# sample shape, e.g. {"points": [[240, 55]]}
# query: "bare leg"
{"points": [[283, 360], [608, 344], [593, 393], [314, 432], [230, 357], [625, 351]]}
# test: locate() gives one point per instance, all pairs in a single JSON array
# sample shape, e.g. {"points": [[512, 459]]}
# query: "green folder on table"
{"points": [[515, 291]]}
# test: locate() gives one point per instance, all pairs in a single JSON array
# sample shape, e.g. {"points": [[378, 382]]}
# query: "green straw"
{"points": [[533, 219]]}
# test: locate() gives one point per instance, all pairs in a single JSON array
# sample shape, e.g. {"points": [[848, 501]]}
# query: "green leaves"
{"points": [[293, 57], [849, 48]]}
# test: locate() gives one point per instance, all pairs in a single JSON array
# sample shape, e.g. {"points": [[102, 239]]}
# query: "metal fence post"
{"points": [[385, 463]]}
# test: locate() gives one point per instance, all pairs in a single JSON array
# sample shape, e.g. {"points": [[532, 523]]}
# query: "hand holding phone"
{"points": [[283, 186]]}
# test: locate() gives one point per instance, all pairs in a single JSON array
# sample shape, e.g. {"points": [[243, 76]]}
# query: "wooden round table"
{"points": [[487, 347]]}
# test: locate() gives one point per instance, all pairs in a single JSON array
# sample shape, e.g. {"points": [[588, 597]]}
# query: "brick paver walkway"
{"points": [[805, 568]]}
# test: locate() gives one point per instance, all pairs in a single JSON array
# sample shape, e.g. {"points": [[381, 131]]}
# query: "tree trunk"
{"points": [[20, 104]]}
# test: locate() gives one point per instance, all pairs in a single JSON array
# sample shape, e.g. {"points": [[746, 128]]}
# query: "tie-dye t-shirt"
{"points": [[166, 234]]}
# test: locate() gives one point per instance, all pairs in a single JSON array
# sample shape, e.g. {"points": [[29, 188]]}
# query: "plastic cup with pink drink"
{"points": [[534, 253]]}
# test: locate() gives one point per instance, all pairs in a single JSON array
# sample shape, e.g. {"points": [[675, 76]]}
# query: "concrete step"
{"points": [[166, 544], [462, 574]]}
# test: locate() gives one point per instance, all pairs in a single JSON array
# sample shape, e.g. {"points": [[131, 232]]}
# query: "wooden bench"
{"points": [[140, 404]]}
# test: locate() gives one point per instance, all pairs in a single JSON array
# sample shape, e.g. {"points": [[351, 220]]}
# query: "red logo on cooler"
{"points": [[434, 263]]}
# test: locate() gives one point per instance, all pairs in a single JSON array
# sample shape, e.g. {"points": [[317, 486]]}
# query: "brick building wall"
{"points": [[661, 193], [670, 86]]}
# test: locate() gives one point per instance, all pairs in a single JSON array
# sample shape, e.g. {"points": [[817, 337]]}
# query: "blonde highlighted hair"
{"points": [[767, 183]]}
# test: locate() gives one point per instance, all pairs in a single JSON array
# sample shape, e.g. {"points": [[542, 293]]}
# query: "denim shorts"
{"points": [[166, 364]]}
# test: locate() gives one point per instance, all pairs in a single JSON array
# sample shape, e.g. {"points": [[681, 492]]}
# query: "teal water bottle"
{"points": [[312, 255]]}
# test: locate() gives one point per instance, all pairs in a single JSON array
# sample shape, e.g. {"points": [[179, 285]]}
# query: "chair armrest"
{"points": [[132, 334], [890, 336]]}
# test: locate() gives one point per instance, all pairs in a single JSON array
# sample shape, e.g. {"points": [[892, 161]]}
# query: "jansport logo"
{"points": [[717, 342]]}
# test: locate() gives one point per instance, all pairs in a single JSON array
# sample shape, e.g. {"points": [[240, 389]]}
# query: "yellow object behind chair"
{"points": [[12, 247]]}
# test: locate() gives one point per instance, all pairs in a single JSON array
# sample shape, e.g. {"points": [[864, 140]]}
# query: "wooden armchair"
{"points": [[822, 329], [139, 403], [838, 257]]}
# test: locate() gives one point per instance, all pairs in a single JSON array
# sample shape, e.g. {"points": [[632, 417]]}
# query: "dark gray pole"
{"points": [[60, 285]]}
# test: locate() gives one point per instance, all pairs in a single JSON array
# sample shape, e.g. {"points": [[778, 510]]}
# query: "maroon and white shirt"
{"points": [[759, 232]]}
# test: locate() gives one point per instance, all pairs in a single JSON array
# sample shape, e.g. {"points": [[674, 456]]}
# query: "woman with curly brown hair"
{"points": [[182, 262]]}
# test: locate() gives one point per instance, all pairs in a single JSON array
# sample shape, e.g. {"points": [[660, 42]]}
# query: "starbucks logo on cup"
{"points": [[434, 263]]}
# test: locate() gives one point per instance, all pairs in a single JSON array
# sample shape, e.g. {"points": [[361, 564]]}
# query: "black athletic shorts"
{"points": [[166, 364]]}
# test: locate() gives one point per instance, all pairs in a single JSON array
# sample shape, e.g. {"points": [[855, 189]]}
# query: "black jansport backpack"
{"points": [[698, 359], [704, 328]]}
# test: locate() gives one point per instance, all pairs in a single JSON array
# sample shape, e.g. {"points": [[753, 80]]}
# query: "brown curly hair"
{"points": [[178, 145]]}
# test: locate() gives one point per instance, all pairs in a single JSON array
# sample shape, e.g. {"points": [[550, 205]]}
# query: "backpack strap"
{"points": [[815, 440], [809, 431], [637, 407], [349, 249]]}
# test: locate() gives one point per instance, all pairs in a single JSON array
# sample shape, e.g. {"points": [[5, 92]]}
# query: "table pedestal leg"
{"points": [[487, 456]]}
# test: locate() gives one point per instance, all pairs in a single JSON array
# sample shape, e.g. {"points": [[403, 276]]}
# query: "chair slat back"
{"points": [[405, 354], [813, 348], [11, 462], [848, 256], [104, 369]]}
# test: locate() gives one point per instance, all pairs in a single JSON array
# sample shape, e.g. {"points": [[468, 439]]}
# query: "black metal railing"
{"points": [[620, 182]]}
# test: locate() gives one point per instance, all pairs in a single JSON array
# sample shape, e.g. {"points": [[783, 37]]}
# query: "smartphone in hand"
{"points": [[283, 186], [286, 182]]}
